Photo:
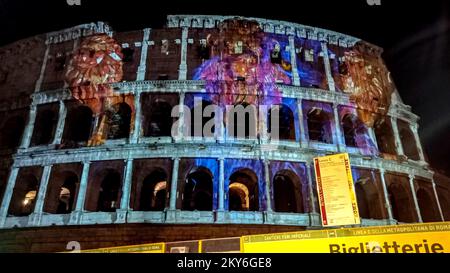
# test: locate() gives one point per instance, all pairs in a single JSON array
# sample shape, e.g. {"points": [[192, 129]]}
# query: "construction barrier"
{"points": [[410, 238]]}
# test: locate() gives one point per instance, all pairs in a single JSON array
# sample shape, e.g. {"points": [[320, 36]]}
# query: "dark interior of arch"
{"points": [[427, 207], [319, 127], [445, 205], [352, 127], [285, 122], [78, 125], [402, 209], [363, 203], [119, 121], [408, 140], [11, 133], [66, 203], [197, 194], [287, 197], [236, 199], [152, 200], [45, 127], [251, 183], [385, 137], [24, 185], [109, 192], [159, 122]]}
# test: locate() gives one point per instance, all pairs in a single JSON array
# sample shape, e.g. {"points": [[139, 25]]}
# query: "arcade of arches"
{"points": [[79, 122], [152, 184]]}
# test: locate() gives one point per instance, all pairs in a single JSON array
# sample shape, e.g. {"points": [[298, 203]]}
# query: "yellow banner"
{"points": [[147, 248], [414, 238], [336, 192]]}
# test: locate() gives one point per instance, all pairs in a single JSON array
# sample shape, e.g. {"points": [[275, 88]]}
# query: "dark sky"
{"points": [[414, 34]]}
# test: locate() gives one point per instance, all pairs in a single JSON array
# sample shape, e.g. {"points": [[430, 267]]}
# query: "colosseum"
{"points": [[97, 143]]}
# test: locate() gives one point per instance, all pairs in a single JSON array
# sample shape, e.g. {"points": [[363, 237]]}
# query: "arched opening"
{"points": [[239, 197], [445, 206], [160, 120], [371, 204], [119, 120], [427, 207], [78, 125], [243, 191], [66, 198], [198, 190], [400, 200], [385, 137], [287, 192], [11, 133], [363, 203], [354, 130], [24, 196], [3, 181], [109, 192], [154, 192], [319, 127], [197, 129], [44, 128], [409, 144], [286, 125]]}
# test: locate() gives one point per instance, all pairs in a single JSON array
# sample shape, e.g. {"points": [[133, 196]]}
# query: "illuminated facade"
{"points": [[94, 109]]}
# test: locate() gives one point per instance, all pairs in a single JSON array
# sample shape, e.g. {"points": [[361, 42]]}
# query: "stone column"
{"points": [[387, 202], [437, 201], [398, 142], [303, 138], [144, 51], [416, 203], [8, 195], [221, 183], [38, 85], [415, 130], [268, 188], [312, 200], [295, 75], [183, 65], [126, 187], [28, 133], [372, 135], [180, 134], [326, 61], [61, 122], [174, 185], [137, 118], [338, 136], [35, 217], [75, 217]]}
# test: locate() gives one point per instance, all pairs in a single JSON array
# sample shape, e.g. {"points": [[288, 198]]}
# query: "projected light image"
{"points": [[111, 131]]}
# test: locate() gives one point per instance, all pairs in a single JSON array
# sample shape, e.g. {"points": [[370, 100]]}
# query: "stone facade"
{"points": [[46, 182]]}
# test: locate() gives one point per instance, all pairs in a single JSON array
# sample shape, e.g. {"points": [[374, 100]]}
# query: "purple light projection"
{"points": [[245, 64], [309, 64], [299, 169], [324, 111], [251, 167], [362, 139]]}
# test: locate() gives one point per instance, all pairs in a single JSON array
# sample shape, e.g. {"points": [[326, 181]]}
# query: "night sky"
{"points": [[414, 34]]}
